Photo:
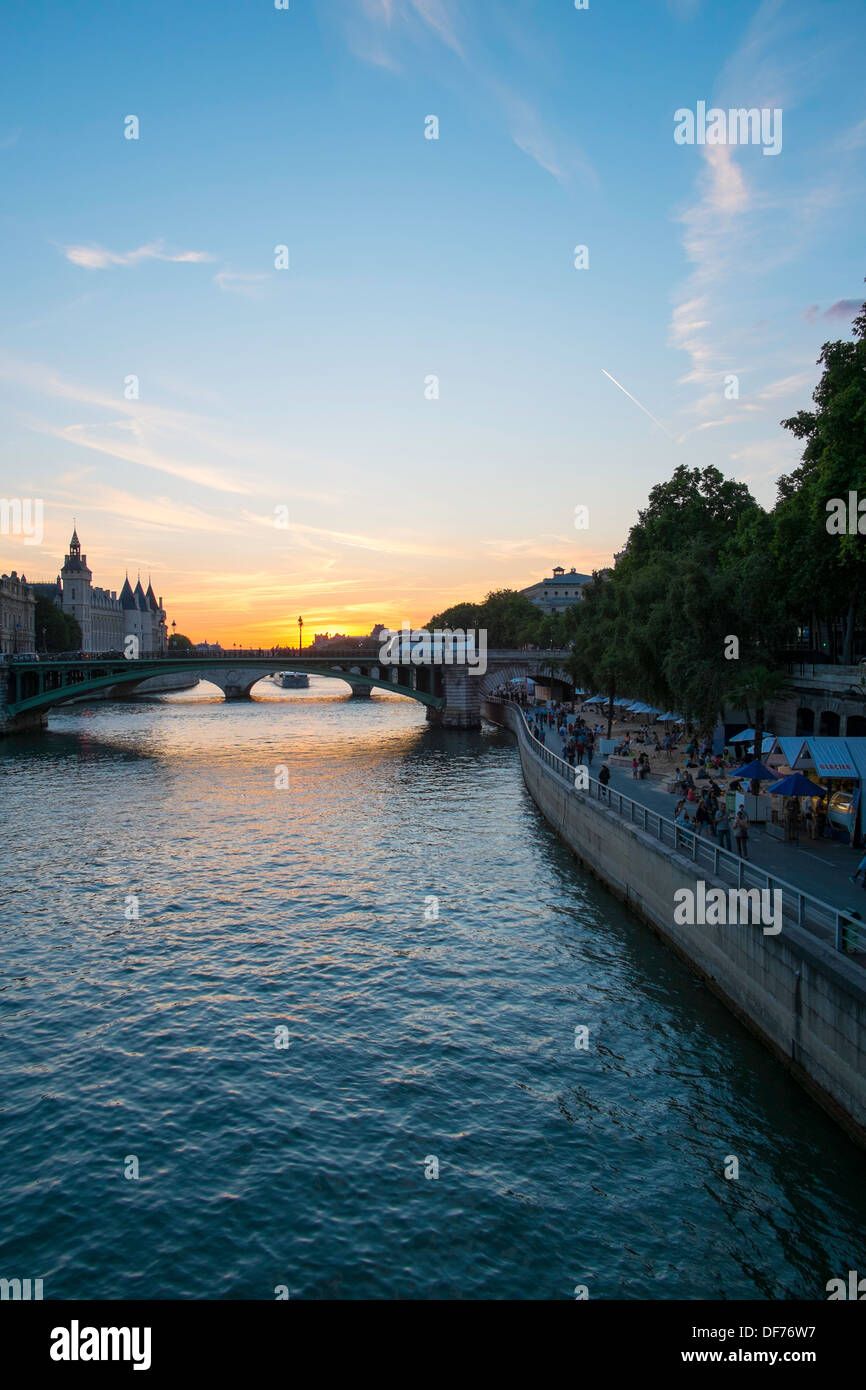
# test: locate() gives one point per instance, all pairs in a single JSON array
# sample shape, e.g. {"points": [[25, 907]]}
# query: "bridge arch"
{"points": [[452, 693]]}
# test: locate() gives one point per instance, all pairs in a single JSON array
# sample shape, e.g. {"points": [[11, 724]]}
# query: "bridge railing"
{"points": [[845, 932]]}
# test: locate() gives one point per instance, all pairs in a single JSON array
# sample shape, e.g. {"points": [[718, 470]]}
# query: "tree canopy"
{"points": [[56, 631]]}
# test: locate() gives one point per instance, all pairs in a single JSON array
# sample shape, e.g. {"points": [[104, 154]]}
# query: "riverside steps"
{"points": [[802, 991]]}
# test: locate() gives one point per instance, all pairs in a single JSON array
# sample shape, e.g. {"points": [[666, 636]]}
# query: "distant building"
{"points": [[105, 618], [17, 614], [559, 592], [337, 639]]}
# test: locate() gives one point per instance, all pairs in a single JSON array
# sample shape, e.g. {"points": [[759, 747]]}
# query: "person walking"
{"points": [[741, 833], [603, 774]]}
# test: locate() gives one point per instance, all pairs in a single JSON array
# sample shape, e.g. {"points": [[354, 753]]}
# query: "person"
{"points": [[701, 817], [634, 768], [819, 820], [741, 833], [861, 869], [792, 820], [603, 774], [723, 827], [808, 817], [683, 821]]}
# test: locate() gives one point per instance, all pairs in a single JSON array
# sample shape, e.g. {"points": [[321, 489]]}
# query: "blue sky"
{"points": [[304, 387]]}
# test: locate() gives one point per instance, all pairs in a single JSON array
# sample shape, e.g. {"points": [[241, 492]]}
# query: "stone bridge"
{"points": [[452, 692]]}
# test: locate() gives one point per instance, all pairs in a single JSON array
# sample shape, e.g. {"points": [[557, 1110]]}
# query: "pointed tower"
{"points": [[127, 597], [76, 581]]}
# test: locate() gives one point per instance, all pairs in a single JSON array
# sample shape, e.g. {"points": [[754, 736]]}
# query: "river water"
{"points": [[413, 1039]]}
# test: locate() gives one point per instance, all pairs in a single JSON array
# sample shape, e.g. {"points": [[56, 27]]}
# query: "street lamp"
{"points": [[300, 633]]}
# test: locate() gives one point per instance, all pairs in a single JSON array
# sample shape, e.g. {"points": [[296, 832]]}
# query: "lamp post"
{"points": [[300, 633]]}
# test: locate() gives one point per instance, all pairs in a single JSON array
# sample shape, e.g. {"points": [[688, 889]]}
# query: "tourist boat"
{"points": [[291, 680]]}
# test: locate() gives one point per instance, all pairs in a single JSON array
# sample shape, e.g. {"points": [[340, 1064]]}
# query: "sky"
{"points": [[287, 452]]}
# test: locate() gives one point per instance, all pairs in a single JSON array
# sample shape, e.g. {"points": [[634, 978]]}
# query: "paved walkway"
{"points": [[819, 867]]}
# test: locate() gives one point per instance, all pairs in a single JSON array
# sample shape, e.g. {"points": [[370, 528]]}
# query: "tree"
{"points": [[56, 631], [598, 656], [830, 564], [509, 618], [755, 687], [178, 642]]}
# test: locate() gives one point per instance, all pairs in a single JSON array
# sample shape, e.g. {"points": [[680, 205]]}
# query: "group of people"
{"points": [[577, 739], [706, 813]]}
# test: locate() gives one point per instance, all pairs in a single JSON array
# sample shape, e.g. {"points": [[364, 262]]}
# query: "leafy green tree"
{"points": [[598, 657], [178, 642], [56, 631], [754, 687], [825, 570], [509, 618]]}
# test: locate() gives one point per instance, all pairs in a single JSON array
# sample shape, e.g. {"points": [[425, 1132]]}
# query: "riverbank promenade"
{"points": [[818, 868]]}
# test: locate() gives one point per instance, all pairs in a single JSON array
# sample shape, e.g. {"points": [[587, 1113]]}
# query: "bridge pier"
{"points": [[360, 692], [33, 721], [461, 695]]}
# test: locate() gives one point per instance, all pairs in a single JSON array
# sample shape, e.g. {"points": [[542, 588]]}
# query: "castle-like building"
{"points": [[105, 618]]}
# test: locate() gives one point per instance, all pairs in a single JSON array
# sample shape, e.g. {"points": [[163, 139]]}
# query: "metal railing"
{"points": [[802, 909]]}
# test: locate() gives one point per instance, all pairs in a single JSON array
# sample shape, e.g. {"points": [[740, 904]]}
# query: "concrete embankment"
{"points": [[802, 998]]}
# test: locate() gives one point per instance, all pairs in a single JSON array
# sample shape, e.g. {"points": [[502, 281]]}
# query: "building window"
{"points": [[856, 726], [805, 721]]}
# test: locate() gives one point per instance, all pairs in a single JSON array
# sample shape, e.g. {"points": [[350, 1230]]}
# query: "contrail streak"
{"points": [[639, 406]]}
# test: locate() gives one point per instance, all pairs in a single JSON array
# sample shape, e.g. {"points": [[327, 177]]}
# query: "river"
{"points": [[428, 948]]}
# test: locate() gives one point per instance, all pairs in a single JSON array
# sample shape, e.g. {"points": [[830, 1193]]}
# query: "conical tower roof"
{"points": [[127, 597]]}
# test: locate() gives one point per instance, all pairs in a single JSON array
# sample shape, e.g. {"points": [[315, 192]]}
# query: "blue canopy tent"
{"points": [[755, 772], [797, 785], [768, 742]]}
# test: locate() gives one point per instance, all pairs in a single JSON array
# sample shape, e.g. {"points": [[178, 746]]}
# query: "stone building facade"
{"points": [[17, 614], [559, 592]]}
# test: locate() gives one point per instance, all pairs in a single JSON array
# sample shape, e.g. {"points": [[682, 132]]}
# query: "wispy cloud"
{"points": [[100, 258], [375, 32], [240, 282], [853, 139]]}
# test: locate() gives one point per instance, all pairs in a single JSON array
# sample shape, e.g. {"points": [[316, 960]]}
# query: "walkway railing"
{"points": [[804, 910]]}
